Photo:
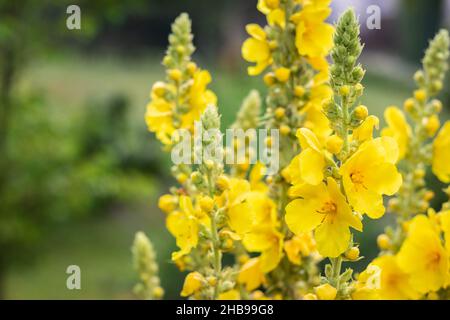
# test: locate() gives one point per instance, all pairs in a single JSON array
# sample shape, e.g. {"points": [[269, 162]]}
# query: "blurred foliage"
{"points": [[61, 167]]}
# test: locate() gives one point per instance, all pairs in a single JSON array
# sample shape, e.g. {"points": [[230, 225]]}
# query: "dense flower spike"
{"points": [[417, 150], [144, 258], [179, 101], [337, 181], [333, 172]]}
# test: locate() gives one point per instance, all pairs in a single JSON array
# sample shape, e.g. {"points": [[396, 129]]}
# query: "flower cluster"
{"points": [[414, 261], [242, 233]]}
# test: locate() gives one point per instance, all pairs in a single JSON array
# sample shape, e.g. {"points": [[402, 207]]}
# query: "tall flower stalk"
{"points": [[416, 141]]}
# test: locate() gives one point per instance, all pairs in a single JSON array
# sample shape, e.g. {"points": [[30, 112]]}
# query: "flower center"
{"points": [[329, 207], [434, 259], [357, 177]]}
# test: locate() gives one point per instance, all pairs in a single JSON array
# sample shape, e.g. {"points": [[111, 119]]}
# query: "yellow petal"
{"points": [[332, 239], [312, 165]]}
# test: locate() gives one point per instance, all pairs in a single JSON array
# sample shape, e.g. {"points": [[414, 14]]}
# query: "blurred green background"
{"points": [[80, 174]]}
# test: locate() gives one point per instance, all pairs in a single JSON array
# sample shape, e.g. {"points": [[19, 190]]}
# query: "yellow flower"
{"points": [[159, 119], [183, 225], [432, 124], [256, 49], [365, 131], [292, 172], [266, 6], [230, 295], [324, 209], [267, 240], [192, 284], [398, 128], [282, 74], [251, 274], [423, 257], [314, 37], [299, 246], [395, 284], [199, 98], [326, 292], [240, 218], [441, 154], [256, 177], [321, 65], [368, 284], [167, 203], [315, 118], [361, 176], [312, 159]]}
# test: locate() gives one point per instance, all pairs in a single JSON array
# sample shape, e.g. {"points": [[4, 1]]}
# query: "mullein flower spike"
{"points": [[334, 170]]}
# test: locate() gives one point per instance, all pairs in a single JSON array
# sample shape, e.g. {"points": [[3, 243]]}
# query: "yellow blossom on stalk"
{"points": [[368, 284], [183, 224], [314, 37], [179, 102], [398, 128], [159, 119], [229, 295], [441, 154], [251, 274], [423, 257], [256, 49], [199, 98], [365, 131], [323, 208], [315, 119], [240, 217], [193, 283], [270, 243], [312, 159], [299, 246], [395, 283], [361, 176]]}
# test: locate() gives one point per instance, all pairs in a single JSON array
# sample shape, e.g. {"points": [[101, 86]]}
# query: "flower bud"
{"points": [[272, 4], [419, 173], [437, 106], [344, 90], [158, 292], [285, 130], [212, 281], [159, 88], [352, 253], [334, 144], [420, 95], [282, 74], [196, 177], [175, 74], [361, 112], [383, 241], [279, 113], [222, 182], [206, 204], [299, 91], [181, 178], [432, 125], [310, 296], [191, 68], [167, 203], [409, 105], [269, 79]]}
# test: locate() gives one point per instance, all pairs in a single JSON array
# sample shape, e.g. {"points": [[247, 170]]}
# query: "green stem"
{"points": [[336, 265]]}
